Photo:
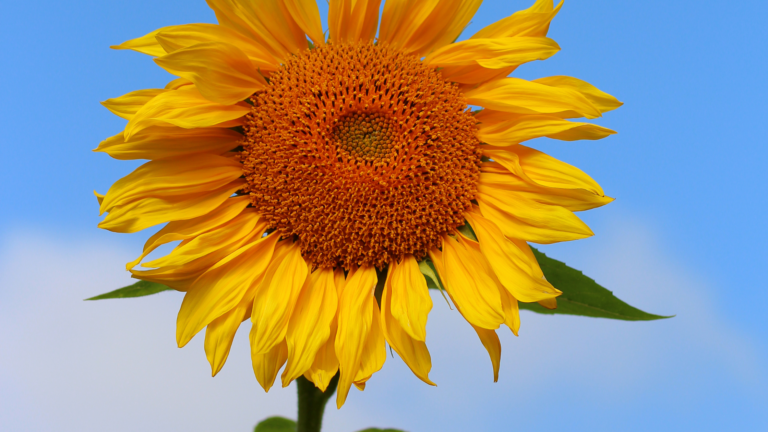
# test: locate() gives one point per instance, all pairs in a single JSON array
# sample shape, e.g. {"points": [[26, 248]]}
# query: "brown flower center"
{"points": [[363, 153]]}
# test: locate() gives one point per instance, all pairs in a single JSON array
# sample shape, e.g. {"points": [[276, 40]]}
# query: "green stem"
{"points": [[312, 403]]}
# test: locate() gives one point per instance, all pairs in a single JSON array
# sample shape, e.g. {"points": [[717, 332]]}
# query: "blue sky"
{"points": [[685, 236]]}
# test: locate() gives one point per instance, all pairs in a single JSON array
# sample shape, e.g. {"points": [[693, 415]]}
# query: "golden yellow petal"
{"points": [[222, 287], [490, 341], [413, 352], [411, 302], [185, 108], [221, 72], [220, 333], [423, 26], [493, 175], [170, 142], [522, 218], [355, 318], [464, 62], [519, 96], [509, 263], [146, 44], [150, 211], [237, 230], [472, 290], [527, 127], [310, 323], [127, 105], [267, 365], [276, 296], [374, 351], [268, 22], [353, 20], [531, 22], [178, 37], [182, 230], [307, 16], [600, 99], [168, 178], [542, 169]]}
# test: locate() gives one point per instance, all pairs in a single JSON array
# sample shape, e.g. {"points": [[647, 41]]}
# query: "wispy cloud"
{"points": [[79, 366]]}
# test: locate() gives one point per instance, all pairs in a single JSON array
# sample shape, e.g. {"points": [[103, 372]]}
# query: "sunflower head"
{"points": [[314, 186]]}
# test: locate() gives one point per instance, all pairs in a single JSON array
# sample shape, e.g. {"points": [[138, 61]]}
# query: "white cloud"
{"points": [[112, 365]]}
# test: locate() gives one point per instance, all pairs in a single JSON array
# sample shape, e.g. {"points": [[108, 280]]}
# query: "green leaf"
{"points": [[276, 424], [381, 430], [139, 289], [582, 295]]}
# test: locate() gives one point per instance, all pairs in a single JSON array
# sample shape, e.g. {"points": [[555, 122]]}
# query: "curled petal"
{"points": [[170, 142]]}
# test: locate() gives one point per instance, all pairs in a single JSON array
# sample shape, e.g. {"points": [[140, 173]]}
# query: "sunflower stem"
{"points": [[312, 403]]}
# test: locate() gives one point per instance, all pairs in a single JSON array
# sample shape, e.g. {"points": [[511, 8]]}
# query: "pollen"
{"points": [[362, 153]]}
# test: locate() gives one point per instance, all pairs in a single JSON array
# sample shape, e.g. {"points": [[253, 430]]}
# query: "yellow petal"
{"points": [[512, 311], [424, 26], [219, 336], [222, 287], [221, 72], [510, 263], [353, 20], [493, 175], [413, 352], [177, 83], [529, 127], [310, 323], [411, 302], [472, 290], [600, 99], [178, 37], [542, 169], [531, 22], [354, 324], [267, 365], [182, 230], [276, 297], [516, 95], [168, 178], [522, 218], [491, 342], [99, 197], [167, 142], [307, 16], [268, 22], [185, 108], [146, 44], [150, 211], [491, 53], [374, 351], [239, 229], [549, 303], [326, 364], [127, 105]]}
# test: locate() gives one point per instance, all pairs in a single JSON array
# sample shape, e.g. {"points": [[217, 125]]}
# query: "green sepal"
{"points": [[582, 295], [276, 424], [468, 232], [139, 289], [430, 274]]}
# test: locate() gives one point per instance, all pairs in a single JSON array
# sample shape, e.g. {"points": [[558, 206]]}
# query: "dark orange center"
{"points": [[363, 153]]}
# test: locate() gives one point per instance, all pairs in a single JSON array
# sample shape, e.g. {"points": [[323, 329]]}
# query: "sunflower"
{"points": [[316, 184]]}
